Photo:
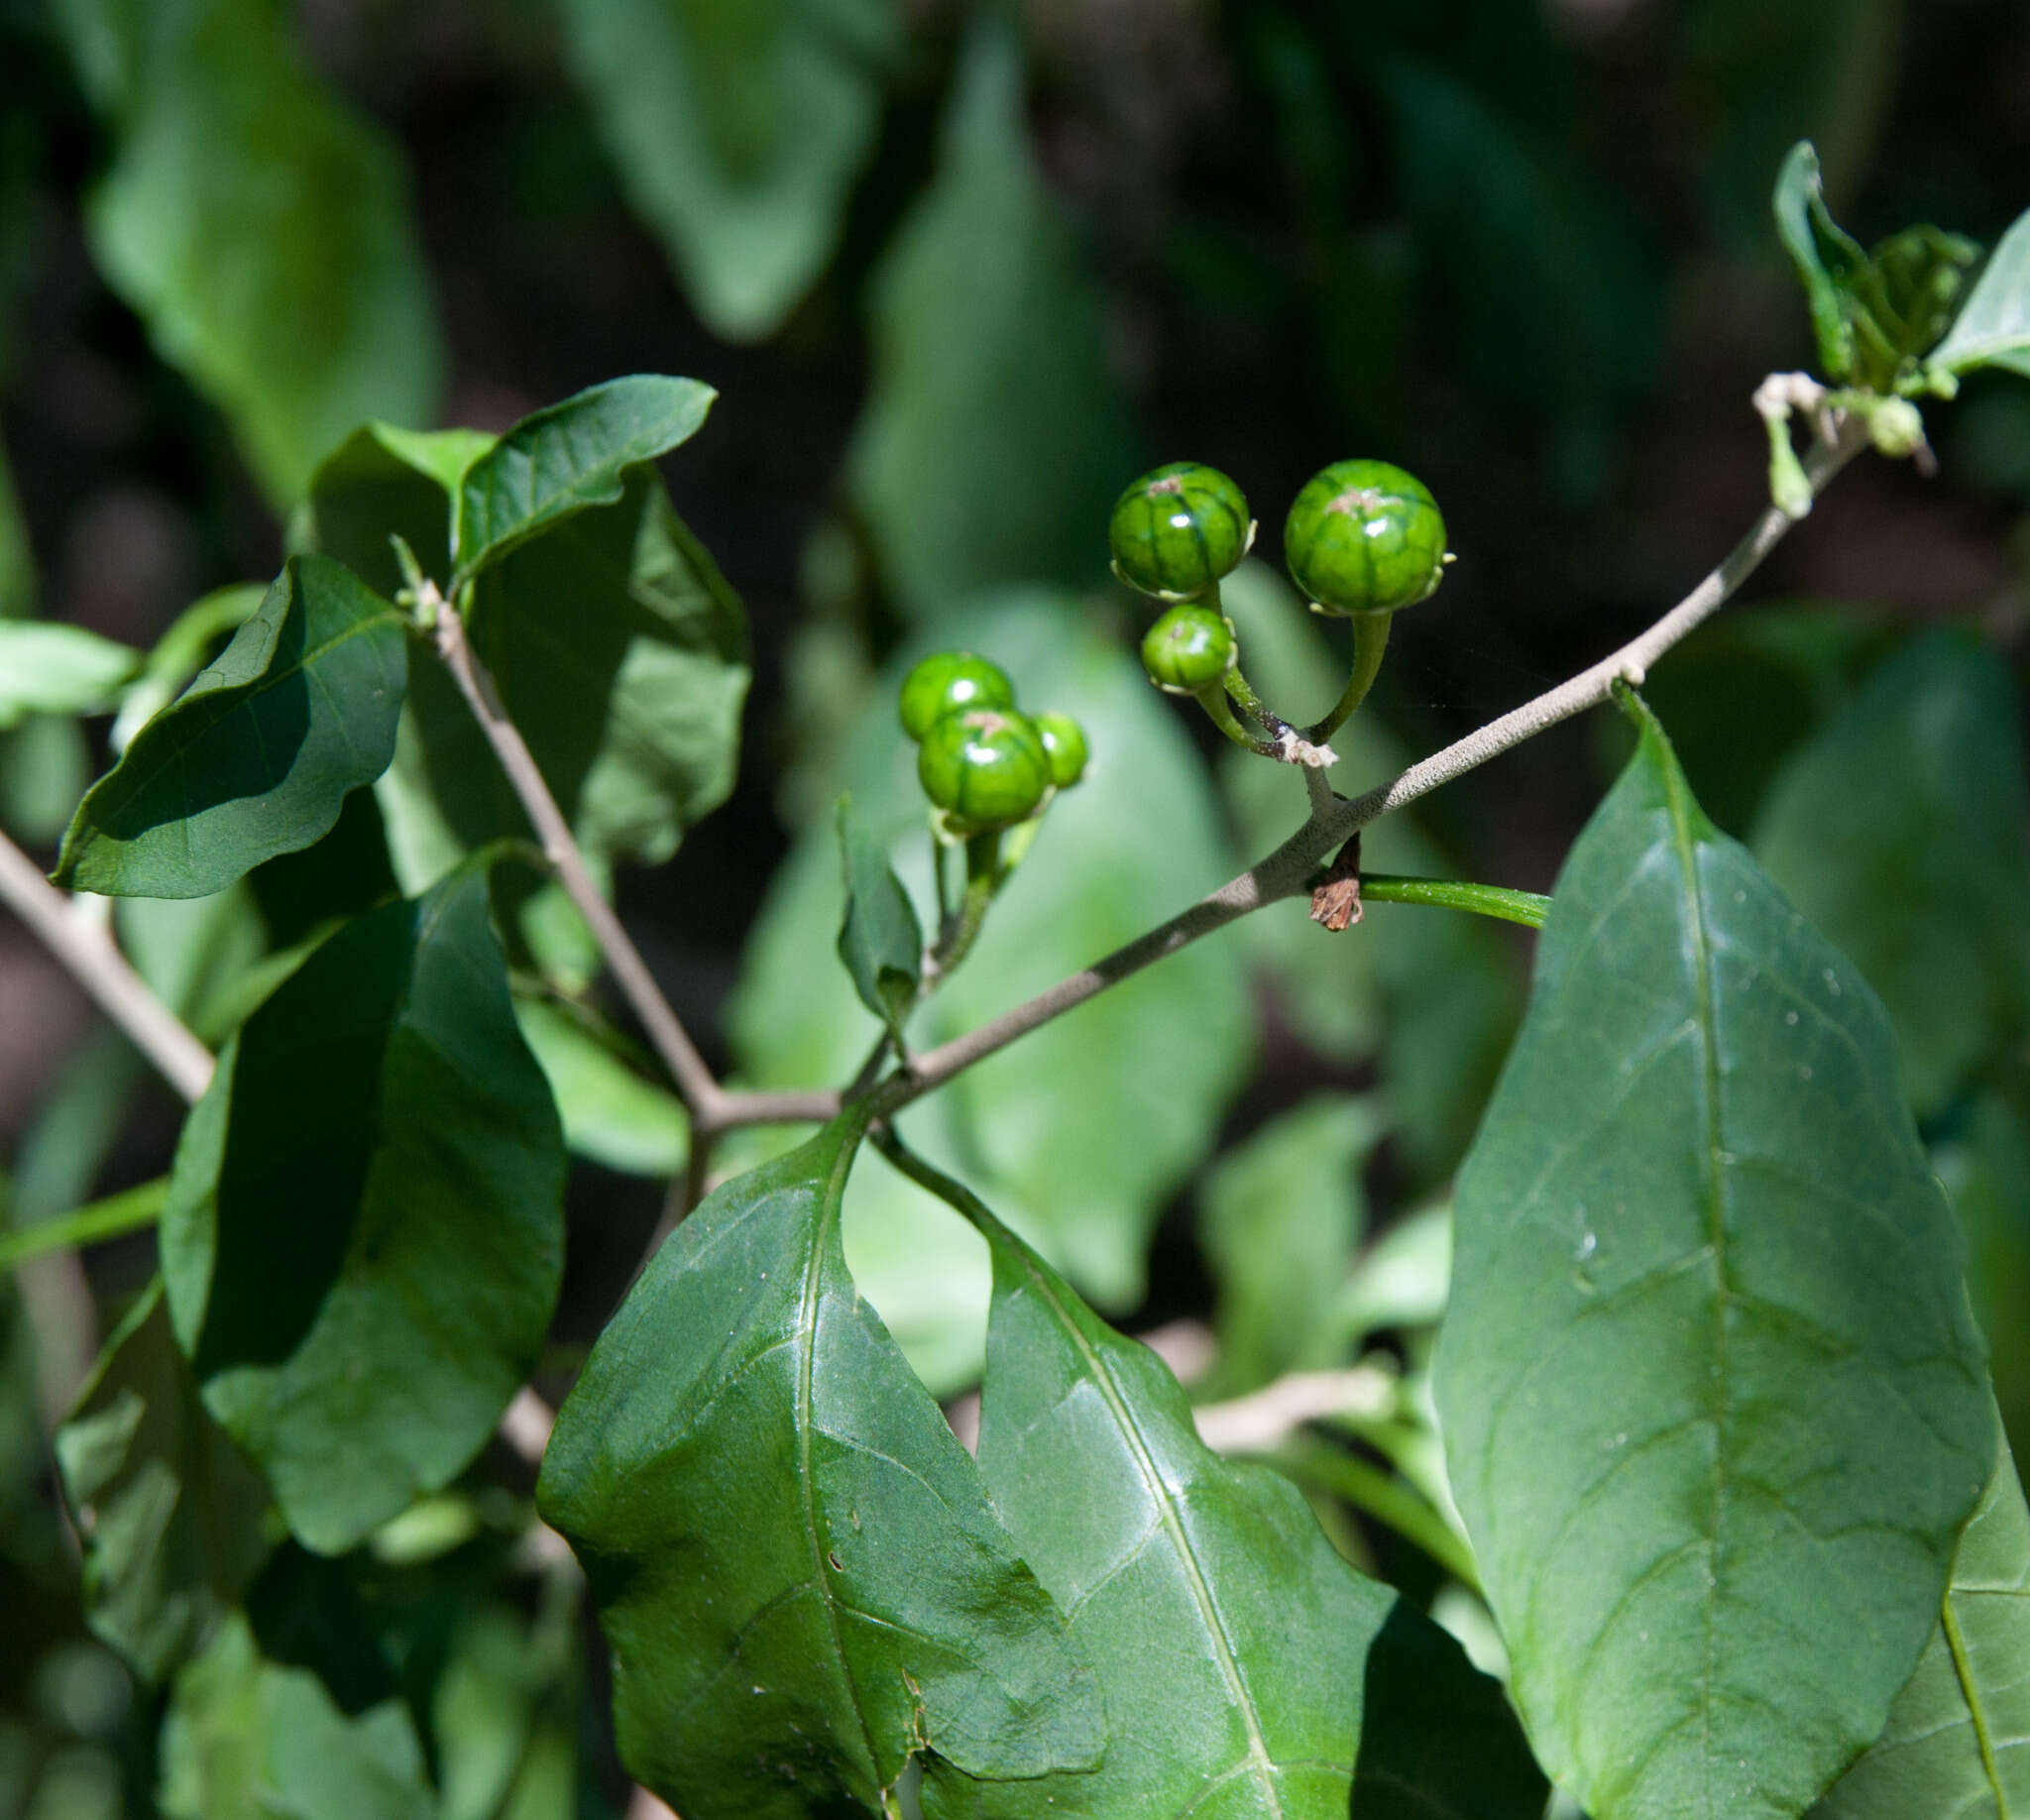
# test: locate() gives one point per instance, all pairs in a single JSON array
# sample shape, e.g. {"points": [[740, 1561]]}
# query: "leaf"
{"points": [[364, 1235], [180, 652], [1709, 1388], [1958, 1741], [259, 227], [993, 441], [798, 1574], [1985, 1168], [880, 941], [1829, 259], [568, 456], [1247, 1669], [738, 131], [611, 1114], [256, 757], [1279, 1216], [49, 668], [173, 1516], [246, 1740], [1993, 328], [622, 656], [1086, 1128], [1898, 828]]}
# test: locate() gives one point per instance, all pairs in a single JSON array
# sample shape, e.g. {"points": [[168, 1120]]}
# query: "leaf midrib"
{"points": [[1263, 1765], [1969, 1687]]}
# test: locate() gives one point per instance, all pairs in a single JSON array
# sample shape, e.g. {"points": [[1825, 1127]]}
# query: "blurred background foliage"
{"points": [[959, 271]]}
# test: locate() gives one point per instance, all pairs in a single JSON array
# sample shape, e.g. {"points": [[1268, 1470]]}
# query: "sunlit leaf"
{"points": [[1710, 1392], [610, 1113], [1993, 328], [256, 757], [799, 1576], [46, 669]]}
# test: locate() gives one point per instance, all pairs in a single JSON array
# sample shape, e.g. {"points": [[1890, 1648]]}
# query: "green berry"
{"points": [[1064, 744], [1364, 536], [1189, 649], [1175, 532], [985, 767], [948, 681]]}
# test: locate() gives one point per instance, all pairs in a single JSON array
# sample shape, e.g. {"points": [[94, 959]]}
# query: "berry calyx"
{"points": [[1365, 536], [1189, 650], [1063, 744], [1176, 531], [946, 682], [985, 767]]}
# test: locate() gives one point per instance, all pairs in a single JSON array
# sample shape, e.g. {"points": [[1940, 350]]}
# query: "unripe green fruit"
{"points": [[1189, 649], [1064, 744], [946, 682], [1178, 530], [985, 767], [1364, 536]]}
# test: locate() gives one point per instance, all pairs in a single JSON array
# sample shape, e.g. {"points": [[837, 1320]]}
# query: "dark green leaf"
{"points": [[738, 129], [799, 1576], [246, 1740], [994, 442], [259, 227], [1247, 1669], [1985, 1168], [622, 655], [561, 459], [1900, 829], [256, 757], [1958, 1741], [370, 488], [364, 1235], [1828, 259], [1993, 328], [879, 940], [1280, 1216], [194, 635], [47, 668], [175, 1520], [1710, 1392], [1088, 1128]]}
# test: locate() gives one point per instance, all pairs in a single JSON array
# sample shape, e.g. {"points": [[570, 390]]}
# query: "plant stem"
{"points": [[127, 1212], [1243, 692], [1370, 643], [694, 1081], [982, 881], [1385, 1497], [89, 954], [1526, 907], [1213, 701]]}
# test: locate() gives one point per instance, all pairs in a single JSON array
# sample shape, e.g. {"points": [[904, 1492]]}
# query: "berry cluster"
{"points": [[981, 760]]}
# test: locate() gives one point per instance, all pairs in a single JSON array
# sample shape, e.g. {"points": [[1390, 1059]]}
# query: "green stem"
{"points": [[1387, 1498], [1213, 701], [1370, 643], [982, 881], [1524, 907], [127, 1212], [1243, 692]]}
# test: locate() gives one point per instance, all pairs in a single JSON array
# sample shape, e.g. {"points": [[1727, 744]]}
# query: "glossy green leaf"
{"points": [[568, 456], [1829, 261], [180, 652], [47, 668], [1993, 328], [1279, 1218], [174, 1519], [622, 655], [610, 1113], [1247, 1669], [880, 939], [1900, 829], [259, 227], [245, 1739], [363, 1236], [800, 1579], [1084, 1129], [993, 443], [1710, 1392], [1958, 1743], [256, 757], [739, 127]]}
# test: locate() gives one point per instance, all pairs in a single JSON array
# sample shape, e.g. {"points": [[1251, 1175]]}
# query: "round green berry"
{"points": [[1064, 744], [1364, 536], [948, 681], [985, 767], [1178, 530], [1189, 649]]}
